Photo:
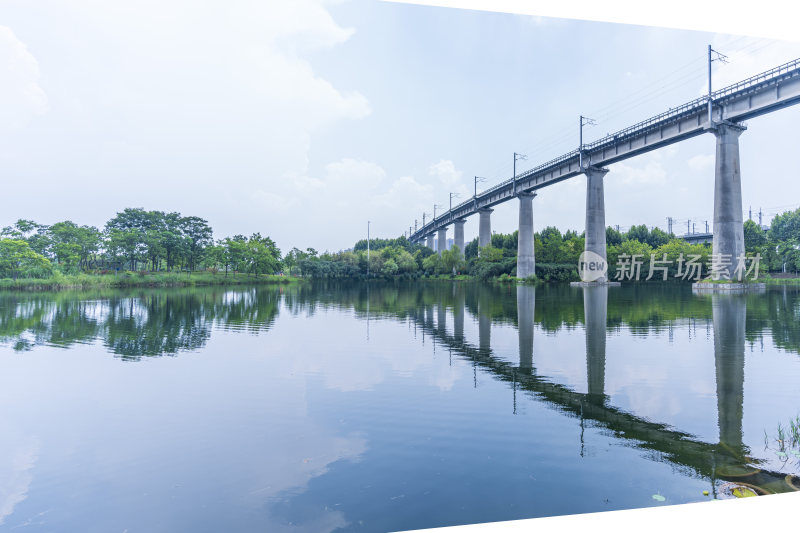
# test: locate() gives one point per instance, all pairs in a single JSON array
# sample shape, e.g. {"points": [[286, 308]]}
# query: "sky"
{"points": [[303, 120]]}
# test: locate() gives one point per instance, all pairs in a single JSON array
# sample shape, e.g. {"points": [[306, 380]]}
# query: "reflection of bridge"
{"points": [[726, 460], [721, 113]]}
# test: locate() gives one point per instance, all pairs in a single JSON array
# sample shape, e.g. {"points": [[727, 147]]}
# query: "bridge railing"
{"points": [[697, 103], [552, 163], [529, 172], [660, 119], [767, 75]]}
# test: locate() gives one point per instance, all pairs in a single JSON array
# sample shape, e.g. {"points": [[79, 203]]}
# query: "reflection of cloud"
{"points": [[15, 472], [364, 370], [292, 463]]}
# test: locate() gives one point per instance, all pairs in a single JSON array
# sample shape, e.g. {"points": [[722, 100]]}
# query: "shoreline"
{"points": [[200, 279], [141, 280]]}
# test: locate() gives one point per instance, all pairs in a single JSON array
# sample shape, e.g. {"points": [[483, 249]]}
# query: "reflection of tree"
{"points": [[156, 324], [133, 324], [157, 321], [643, 308], [776, 311], [27, 320]]}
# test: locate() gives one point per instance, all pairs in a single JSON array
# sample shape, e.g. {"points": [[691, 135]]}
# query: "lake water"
{"points": [[337, 407]]}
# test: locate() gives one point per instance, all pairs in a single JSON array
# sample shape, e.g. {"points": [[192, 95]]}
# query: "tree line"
{"points": [[556, 253], [156, 241], [134, 240]]}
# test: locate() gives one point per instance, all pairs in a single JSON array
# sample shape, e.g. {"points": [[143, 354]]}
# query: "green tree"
{"points": [[236, 252], [551, 241], [197, 235], [785, 227], [638, 233], [451, 260], [754, 236], [216, 257], [613, 237], [390, 268], [18, 259], [490, 254], [432, 264], [125, 243], [263, 256], [657, 237], [405, 262], [73, 245], [171, 237]]}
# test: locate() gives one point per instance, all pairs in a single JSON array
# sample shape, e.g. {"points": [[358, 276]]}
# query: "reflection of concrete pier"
{"points": [[526, 304], [595, 306], [458, 313], [726, 460], [484, 324], [729, 313], [429, 316]]}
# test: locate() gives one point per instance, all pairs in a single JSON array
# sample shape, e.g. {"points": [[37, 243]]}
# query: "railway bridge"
{"points": [[722, 113]]}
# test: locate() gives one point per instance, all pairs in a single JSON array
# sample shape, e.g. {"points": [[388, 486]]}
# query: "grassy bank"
{"points": [[781, 281], [139, 279]]}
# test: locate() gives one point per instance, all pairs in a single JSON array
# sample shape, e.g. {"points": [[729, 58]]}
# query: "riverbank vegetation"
{"points": [[135, 248], [155, 248], [556, 254], [59, 281]]}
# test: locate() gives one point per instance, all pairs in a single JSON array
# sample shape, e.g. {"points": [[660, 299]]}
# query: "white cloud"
{"points": [[161, 97], [446, 171], [353, 173], [634, 173], [21, 97], [701, 162], [406, 195]]}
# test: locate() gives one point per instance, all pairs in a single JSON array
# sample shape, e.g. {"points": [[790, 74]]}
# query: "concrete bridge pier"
{"points": [[485, 227], [595, 306], [441, 243], [430, 242], [526, 262], [526, 305], [596, 214], [728, 216], [729, 312], [458, 235]]}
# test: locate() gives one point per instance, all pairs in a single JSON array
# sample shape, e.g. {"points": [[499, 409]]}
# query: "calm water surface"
{"points": [[340, 408]]}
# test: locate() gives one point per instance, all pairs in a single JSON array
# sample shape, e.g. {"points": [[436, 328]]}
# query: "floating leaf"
{"points": [[658, 497], [705, 493], [743, 492]]}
